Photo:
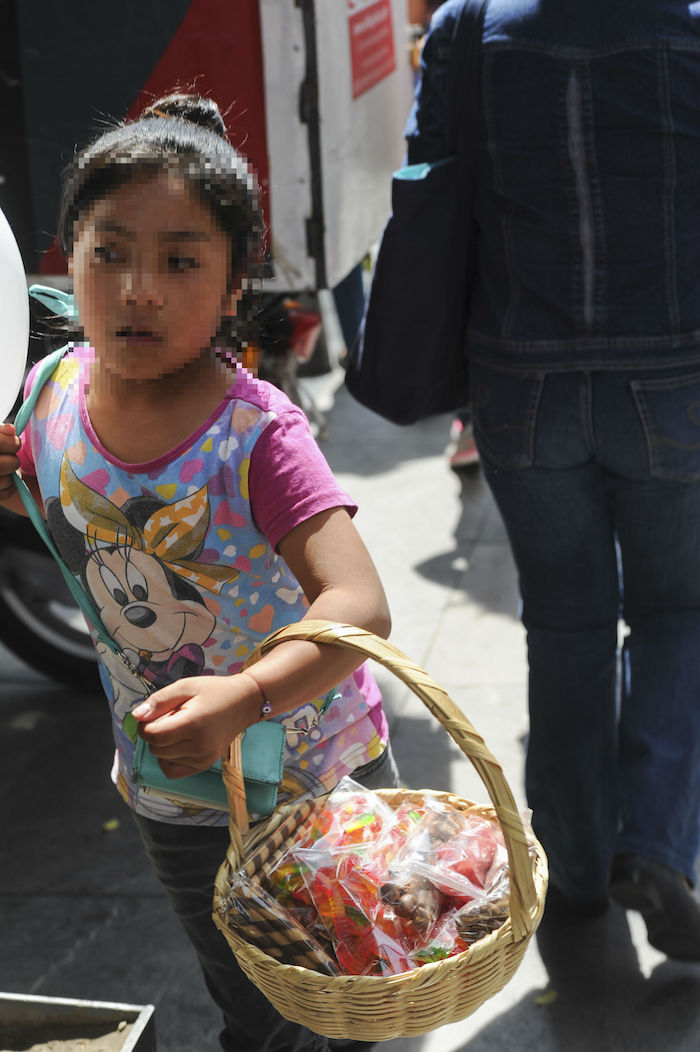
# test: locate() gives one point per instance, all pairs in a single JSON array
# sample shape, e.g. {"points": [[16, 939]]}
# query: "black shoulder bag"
{"points": [[410, 357]]}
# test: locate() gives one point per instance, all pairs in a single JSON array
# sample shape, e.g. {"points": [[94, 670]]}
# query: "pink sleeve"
{"points": [[289, 479]]}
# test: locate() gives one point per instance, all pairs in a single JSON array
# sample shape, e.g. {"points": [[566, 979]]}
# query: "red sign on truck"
{"points": [[372, 54]]}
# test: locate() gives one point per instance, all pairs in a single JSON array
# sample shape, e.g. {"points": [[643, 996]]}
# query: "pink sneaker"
{"points": [[465, 453]]}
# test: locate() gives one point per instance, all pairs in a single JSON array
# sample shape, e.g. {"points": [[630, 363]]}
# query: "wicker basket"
{"points": [[377, 1008]]}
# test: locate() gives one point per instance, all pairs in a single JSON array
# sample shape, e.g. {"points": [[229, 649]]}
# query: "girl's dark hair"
{"points": [[184, 134]]}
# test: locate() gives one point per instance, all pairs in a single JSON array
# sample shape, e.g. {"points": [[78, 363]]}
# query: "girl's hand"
{"points": [[189, 725], [10, 499], [9, 463]]}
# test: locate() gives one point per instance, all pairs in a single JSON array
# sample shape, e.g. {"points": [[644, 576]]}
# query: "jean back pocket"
{"points": [[504, 409], [669, 409]]}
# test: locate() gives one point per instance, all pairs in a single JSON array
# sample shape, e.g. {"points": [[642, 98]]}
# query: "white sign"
{"points": [[364, 96]]}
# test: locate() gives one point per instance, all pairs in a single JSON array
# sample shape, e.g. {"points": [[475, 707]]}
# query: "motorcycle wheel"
{"points": [[40, 621]]}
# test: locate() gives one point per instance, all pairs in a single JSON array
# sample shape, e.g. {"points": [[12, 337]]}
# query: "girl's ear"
{"points": [[70, 264]]}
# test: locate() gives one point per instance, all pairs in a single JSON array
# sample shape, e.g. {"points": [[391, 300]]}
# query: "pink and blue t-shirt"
{"points": [[179, 555]]}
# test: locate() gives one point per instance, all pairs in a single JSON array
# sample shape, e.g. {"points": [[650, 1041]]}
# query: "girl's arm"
{"points": [[9, 463], [331, 563], [189, 724]]}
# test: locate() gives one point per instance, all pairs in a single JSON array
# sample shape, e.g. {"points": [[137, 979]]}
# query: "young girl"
{"points": [[193, 504]]}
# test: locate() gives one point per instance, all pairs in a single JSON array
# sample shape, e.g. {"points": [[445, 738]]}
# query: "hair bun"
{"points": [[193, 108]]}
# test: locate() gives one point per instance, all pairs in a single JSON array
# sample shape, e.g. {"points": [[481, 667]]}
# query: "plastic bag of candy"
{"points": [[411, 879], [351, 819], [323, 868], [321, 871], [463, 855], [477, 919], [367, 938], [253, 912]]}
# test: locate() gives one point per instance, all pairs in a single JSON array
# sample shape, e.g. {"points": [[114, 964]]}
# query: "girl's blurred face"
{"points": [[151, 272]]}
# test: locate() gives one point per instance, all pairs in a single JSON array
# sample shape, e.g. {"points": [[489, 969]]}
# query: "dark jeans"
{"points": [[186, 860], [597, 476]]}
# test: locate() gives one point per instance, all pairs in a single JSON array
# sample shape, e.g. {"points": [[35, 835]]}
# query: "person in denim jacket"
{"points": [[584, 343]]}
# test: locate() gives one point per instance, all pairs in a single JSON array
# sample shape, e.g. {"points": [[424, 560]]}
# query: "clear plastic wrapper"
{"points": [[351, 820], [328, 861], [480, 918], [367, 938], [443, 941], [462, 855], [257, 915]]}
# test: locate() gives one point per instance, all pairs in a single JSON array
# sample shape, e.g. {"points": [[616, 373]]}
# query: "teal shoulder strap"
{"points": [[44, 371]]}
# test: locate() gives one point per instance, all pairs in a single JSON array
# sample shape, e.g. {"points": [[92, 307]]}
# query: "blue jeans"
{"points": [[185, 860], [597, 477]]}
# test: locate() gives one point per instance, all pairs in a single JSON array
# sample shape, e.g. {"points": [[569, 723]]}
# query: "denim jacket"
{"points": [[588, 203]]}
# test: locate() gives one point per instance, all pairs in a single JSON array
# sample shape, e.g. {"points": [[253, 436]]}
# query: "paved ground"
{"points": [[80, 914]]}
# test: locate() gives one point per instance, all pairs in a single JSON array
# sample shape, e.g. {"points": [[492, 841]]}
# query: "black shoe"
{"points": [[670, 909]]}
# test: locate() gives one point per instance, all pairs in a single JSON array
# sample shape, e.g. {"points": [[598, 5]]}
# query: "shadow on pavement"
{"points": [[81, 915], [597, 998], [478, 565]]}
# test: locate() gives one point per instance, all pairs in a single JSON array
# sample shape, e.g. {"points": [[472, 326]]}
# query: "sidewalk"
{"points": [[80, 914]]}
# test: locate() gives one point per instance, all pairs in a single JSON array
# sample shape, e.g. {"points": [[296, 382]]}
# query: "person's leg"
{"points": [[534, 442], [650, 443], [349, 295], [186, 860], [653, 455], [381, 773], [660, 727]]}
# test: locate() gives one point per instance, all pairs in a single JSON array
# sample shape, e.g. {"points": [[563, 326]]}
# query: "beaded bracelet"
{"points": [[266, 707]]}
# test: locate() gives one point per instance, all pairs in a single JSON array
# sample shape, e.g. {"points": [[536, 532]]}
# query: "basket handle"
{"points": [[232, 771], [523, 898]]}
